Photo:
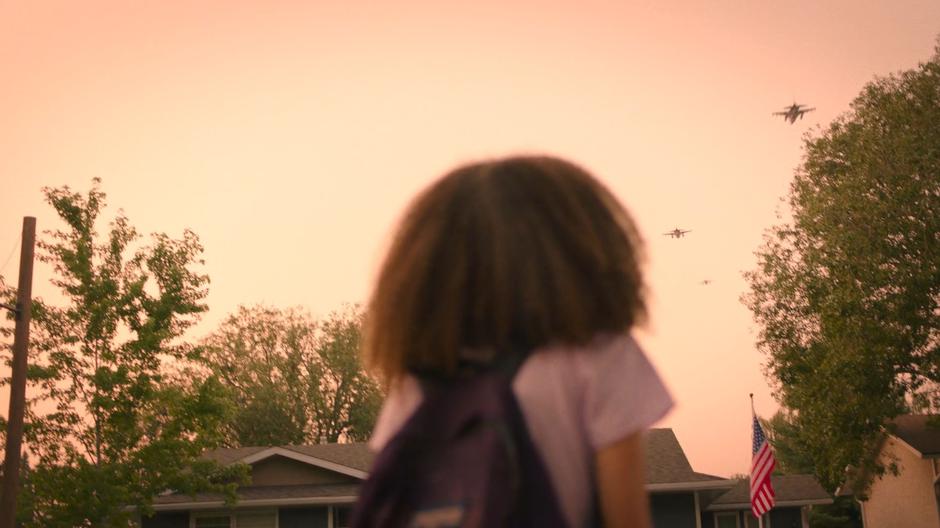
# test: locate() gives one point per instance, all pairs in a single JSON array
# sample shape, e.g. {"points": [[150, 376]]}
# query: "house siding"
{"points": [[282, 471], [906, 499], [673, 510]]}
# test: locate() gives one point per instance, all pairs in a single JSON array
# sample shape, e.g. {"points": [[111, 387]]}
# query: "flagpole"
{"points": [[760, 520]]}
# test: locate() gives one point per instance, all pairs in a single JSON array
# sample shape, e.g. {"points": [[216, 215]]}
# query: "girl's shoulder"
{"points": [[606, 357], [609, 384]]}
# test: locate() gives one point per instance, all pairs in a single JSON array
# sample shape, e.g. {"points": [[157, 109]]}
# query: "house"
{"points": [[794, 495], [678, 495], [910, 498], [683, 498], [315, 486], [290, 487]]}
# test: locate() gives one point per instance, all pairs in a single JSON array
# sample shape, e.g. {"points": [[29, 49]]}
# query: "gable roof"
{"points": [[667, 467], [919, 432], [230, 455], [790, 490], [356, 456], [349, 459]]}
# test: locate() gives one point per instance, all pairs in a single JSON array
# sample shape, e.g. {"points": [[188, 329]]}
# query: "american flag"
{"points": [[762, 465]]}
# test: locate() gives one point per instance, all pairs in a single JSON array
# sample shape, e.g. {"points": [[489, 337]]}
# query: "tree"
{"points": [[107, 424], [789, 452], [792, 459], [846, 293], [294, 379]]}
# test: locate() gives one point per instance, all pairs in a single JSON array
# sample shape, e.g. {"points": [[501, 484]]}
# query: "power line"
{"points": [[10, 256]]}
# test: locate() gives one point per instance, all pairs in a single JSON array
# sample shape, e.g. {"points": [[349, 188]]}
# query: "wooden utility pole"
{"points": [[23, 311]]}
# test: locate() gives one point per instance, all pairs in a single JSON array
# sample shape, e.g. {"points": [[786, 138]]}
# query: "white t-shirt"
{"points": [[575, 400]]}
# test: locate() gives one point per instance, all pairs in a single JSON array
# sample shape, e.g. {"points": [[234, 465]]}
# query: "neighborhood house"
{"points": [[911, 496], [315, 487]]}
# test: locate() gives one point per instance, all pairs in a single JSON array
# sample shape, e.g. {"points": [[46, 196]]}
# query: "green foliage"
{"points": [[793, 459], [844, 512], [293, 379], [846, 294], [108, 426], [790, 452]]}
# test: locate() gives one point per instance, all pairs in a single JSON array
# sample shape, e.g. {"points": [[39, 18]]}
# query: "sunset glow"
{"points": [[290, 135]]}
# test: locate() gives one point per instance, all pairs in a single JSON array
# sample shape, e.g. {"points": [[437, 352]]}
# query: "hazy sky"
{"points": [[291, 135]]}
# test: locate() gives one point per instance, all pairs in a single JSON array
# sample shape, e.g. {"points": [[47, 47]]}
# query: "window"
{"points": [[216, 521], [751, 521], [341, 516], [249, 519], [266, 519], [304, 517], [727, 520]]}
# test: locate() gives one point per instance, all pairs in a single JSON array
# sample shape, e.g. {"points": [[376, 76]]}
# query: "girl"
{"points": [[534, 254]]}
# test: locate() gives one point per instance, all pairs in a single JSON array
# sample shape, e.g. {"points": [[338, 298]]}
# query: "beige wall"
{"points": [[282, 471], [906, 500]]}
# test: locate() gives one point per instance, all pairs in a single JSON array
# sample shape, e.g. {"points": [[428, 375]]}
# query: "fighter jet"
{"points": [[677, 233], [790, 113]]}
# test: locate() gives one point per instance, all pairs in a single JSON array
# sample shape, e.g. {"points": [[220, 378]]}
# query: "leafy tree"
{"points": [[294, 379], [792, 459], [789, 452], [107, 425], [846, 293]]}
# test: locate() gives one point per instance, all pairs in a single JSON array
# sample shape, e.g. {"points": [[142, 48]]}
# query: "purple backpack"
{"points": [[463, 460]]}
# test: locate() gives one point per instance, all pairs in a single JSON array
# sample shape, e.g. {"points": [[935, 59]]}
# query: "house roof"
{"points": [[919, 431], [230, 455], [790, 490], [668, 468], [666, 462], [354, 456], [262, 496]]}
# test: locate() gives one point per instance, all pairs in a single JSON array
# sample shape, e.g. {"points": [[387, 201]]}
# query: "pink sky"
{"points": [[290, 136]]}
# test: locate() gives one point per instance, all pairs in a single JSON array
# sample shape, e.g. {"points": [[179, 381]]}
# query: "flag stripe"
{"points": [[761, 467]]}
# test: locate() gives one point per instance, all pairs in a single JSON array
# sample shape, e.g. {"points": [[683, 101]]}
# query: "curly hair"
{"points": [[505, 255]]}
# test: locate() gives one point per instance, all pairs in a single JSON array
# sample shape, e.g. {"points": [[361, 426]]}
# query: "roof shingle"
{"points": [[918, 431], [791, 489], [665, 460], [354, 455], [666, 463], [252, 493]]}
